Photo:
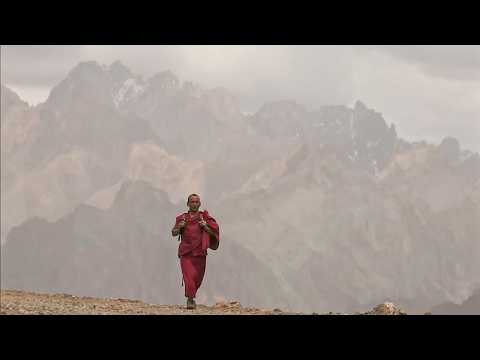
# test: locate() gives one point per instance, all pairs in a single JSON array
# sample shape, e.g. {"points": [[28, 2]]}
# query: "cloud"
{"points": [[427, 91], [422, 106], [451, 62], [312, 76], [37, 65]]}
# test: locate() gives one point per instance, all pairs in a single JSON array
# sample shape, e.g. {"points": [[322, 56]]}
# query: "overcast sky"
{"points": [[429, 92]]}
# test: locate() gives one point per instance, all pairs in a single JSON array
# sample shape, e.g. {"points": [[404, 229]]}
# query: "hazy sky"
{"points": [[429, 92]]}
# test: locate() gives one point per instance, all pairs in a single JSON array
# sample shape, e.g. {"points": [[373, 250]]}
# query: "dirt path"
{"points": [[14, 302]]}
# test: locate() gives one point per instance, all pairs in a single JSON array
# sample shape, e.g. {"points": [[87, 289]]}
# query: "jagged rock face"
{"points": [[126, 251], [281, 119], [449, 150], [19, 126], [204, 125], [373, 139], [440, 185], [70, 126], [359, 136], [52, 191], [19, 122], [195, 128], [11, 105], [343, 239], [92, 83], [151, 163]]}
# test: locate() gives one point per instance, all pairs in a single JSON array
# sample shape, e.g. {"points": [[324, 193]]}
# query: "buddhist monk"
{"points": [[198, 231]]}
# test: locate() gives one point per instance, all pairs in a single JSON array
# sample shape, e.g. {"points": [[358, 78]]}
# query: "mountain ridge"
{"points": [[330, 206]]}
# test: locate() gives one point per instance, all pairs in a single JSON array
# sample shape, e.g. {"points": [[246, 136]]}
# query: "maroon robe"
{"points": [[192, 250]]}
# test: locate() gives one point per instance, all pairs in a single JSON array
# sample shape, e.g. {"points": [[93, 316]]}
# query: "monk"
{"points": [[198, 232]]}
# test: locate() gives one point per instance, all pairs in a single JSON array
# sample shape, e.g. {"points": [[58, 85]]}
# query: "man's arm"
{"points": [[208, 230], [178, 228], [175, 231], [205, 227]]}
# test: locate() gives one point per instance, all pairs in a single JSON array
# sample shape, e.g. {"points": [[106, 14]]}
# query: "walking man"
{"points": [[198, 231]]}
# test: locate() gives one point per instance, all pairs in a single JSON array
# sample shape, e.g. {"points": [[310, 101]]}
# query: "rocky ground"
{"points": [[13, 302]]}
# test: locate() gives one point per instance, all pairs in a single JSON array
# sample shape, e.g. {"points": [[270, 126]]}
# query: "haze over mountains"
{"points": [[320, 210]]}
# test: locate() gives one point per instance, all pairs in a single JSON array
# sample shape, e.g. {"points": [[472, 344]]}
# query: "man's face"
{"points": [[194, 203]]}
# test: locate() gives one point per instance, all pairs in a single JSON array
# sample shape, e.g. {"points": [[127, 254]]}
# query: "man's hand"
{"points": [[176, 230], [181, 224], [202, 222], [205, 227]]}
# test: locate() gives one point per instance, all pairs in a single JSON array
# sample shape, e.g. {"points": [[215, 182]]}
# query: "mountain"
{"points": [[151, 163], [340, 239], [357, 135], [18, 123], [334, 209], [63, 151], [11, 105], [126, 251], [354, 215], [17, 120], [470, 306]]}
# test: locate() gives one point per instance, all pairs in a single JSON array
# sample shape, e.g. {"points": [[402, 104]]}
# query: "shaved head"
{"points": [[189, 196]]}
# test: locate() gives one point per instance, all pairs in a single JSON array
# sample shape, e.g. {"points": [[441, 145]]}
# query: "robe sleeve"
{"points": [[177, 221], [211, 241], [179, 218]]}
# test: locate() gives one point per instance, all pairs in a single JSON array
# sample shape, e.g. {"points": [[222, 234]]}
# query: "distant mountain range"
{"points": [[325, 210], [470, 306]]}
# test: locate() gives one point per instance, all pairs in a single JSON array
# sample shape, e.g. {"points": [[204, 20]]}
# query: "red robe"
{"points": [[192, 250]]}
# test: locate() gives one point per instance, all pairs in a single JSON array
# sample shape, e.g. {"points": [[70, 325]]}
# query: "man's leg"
{"points": [[193, 270], [199, 265]]}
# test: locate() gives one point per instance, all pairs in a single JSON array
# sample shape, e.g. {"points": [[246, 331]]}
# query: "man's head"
{"points": [[193, 202]]}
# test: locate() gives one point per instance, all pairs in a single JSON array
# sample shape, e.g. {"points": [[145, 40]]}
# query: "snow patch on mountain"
{"points": [[129, 90]]}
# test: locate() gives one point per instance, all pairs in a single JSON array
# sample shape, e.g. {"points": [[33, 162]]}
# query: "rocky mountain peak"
{"points": [[94, 83], [374, 141], [359, 106], [164, 80], [10, 104], [86, 69], [139, 194], [369, 124], [120, 72], [191, 89], [10, 98], [449, 149], [88, 81], [281, 108], [280, 118]]}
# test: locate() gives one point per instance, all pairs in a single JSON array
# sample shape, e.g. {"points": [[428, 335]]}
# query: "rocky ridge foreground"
{"points": [[14, 302]]}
